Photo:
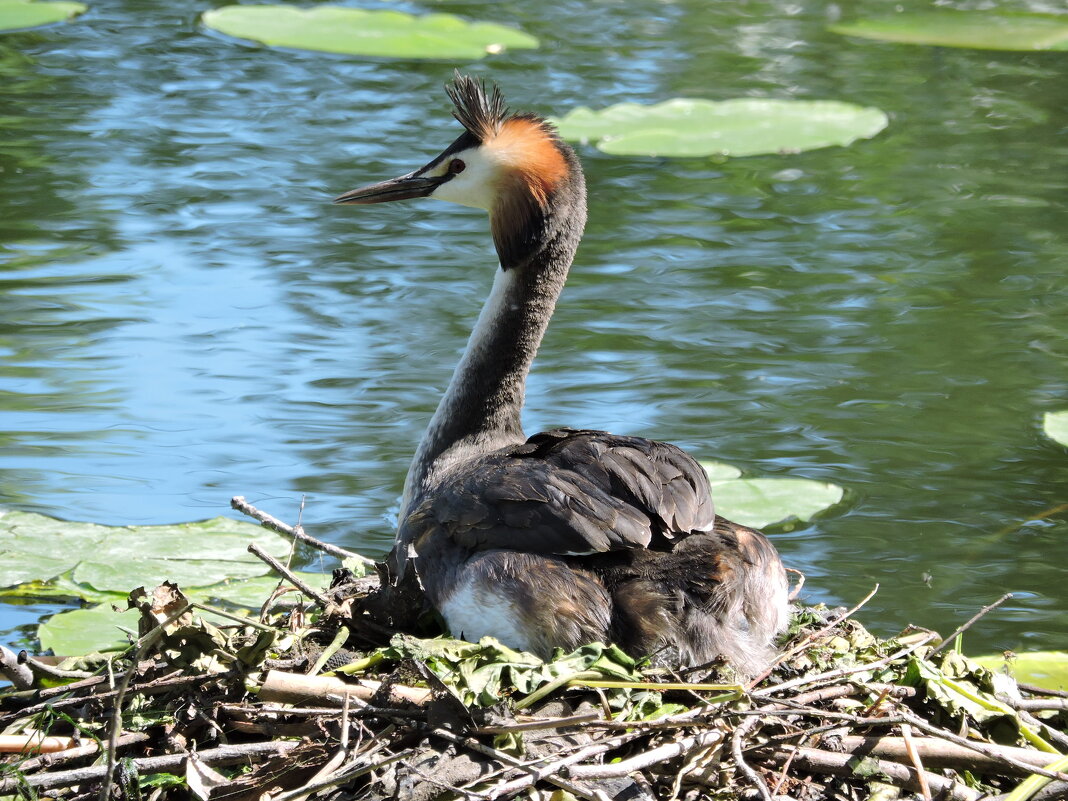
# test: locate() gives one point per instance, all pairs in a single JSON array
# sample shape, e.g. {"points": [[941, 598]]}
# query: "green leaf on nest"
{"points": [[984, 30], [740, 127], [1055, 424], [358, 32], [16, 15], [763, 502]]}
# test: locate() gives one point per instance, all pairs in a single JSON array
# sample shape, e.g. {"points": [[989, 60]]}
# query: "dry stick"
{"points": [[1038, 704], [239, 503], [663, 753], [115, 724], [534, 774], [536, 725], [223, 755], [282, 570], [904, 716], [49, 761], [910, 748], [786, 768], [939, 753], [815, 760], [741, 731], [982, 748], [952, 637], [800, 583], [1034, 690]]}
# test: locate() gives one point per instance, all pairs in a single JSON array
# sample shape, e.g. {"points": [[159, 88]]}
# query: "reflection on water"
{"points": [[184, 317]]}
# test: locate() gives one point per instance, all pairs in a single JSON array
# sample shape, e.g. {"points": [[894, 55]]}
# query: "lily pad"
{"points": [[16, 15], [104, 559], [764, 502], [85, 631], [740, 127], [358, 32], [1055, 424], [984, 30], [97, 628], [1048, 669]]}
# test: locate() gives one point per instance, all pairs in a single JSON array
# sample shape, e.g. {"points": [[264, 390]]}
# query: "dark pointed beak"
{"points": [[403, 188]]}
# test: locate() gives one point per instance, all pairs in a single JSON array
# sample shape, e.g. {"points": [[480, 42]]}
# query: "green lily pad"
{"points": [[1048, 669], [102, 559], [984, 30], [358, 32], [739, 127], [16, 15], [1055, 424], [251, 593], [85, 631], [764, 502]]}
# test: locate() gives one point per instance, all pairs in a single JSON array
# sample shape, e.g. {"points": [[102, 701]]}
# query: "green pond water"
{"points": [[184, 316]]}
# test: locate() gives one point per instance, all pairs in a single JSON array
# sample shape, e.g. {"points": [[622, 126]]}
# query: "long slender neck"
{"points": [[481, 409]]}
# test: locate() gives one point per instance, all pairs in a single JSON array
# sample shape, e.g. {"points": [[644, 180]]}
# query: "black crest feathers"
{"points": [[480, 110]]}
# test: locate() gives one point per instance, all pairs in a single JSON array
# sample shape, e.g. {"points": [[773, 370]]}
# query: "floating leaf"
{"points": [[718, 471], [739, 127], [19, 14], [105, 559], [1055, 424], [1048, 669], [762, 502], [83, 631], [358, 32], [985, 30], [252, 593]]}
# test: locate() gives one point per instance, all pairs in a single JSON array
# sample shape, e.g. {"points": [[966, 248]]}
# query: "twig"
{"points": [[115, 724], [939, 753], [986, 609], [739, 759], [290, 576], [48, 761], [914, 756], [816, 760], [223, 755], [647, 759], [1039, 704], [548, 772], [800, 583], [239, 503], [982, 748], [538, 725]]}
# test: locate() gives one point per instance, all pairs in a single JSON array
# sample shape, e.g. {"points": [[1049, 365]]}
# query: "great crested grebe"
{"points": [[570, 536]]}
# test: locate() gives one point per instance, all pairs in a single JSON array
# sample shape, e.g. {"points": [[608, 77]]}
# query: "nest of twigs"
{"points": [[319, 699]]}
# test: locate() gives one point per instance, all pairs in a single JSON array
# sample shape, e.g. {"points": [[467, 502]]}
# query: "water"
{"points": [[184, 317]]}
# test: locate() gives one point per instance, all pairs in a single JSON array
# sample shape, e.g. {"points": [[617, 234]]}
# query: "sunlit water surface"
{"points": [[184, 317]]}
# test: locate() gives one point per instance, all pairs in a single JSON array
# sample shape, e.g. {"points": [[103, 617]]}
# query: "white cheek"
{"points": [[475, 186]]}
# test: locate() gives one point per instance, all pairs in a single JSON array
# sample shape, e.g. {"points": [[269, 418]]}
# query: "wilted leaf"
{"points": [[17, 15], [739, 127], [762, 502], [359, 32], [1055, 424], [984, 30]]}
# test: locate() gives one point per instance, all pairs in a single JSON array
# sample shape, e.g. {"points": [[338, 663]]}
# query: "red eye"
{"points": [[456, 166]]}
